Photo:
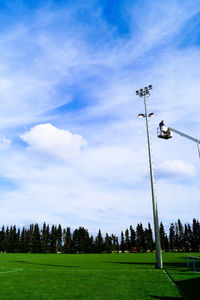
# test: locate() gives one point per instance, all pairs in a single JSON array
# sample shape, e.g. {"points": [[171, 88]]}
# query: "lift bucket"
{"points": [[164, 133]]}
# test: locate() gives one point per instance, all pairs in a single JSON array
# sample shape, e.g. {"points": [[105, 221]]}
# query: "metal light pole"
{"points": [[145, 93]]}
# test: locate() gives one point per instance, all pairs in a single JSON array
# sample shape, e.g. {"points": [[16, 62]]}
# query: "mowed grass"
{"points": [[91, 276]]}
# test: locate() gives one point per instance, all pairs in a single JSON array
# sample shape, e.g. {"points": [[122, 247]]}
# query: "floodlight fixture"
{"points": [[141, 116], [151, 115], [144, 92]]}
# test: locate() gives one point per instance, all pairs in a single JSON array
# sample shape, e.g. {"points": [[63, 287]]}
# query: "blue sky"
{"points": [[72, 148]]}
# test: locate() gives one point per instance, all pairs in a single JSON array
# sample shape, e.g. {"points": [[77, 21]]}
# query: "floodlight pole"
{"points": [[159, 265]]}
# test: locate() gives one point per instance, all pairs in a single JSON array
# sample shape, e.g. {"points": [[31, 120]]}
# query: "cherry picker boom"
{"points": [[166, 133]]}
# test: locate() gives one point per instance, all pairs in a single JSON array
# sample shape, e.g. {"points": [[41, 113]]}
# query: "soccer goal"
{"points": [[193, 263]]}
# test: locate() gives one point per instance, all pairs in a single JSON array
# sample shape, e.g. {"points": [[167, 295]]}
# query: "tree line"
{"points": [[53, 239]]}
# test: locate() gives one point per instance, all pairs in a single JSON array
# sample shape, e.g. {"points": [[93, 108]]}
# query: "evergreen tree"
{"points": [[187, 238], [52, 247], [84, 239], [176, 238], [10, 240], [2, 239], [99, 242], [151, 243], [162, 236], [59, 238], [122, 244], [24, 241], [67, 241], [127, 240], [36, 240], [48, 238], [195, 235], [91, 244], [13, 240], [75, 241], [132, 238], [181, 245], [45, 239], [29, 238], [18, 240], [115, 243], [140, 241], [7, 239], [107, 243], [22, 244], [80, 240], [171, 237], [148, 235], [166, 243]]}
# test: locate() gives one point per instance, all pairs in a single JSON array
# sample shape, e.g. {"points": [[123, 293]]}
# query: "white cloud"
{"points": [[49, 140], [176, 168]]}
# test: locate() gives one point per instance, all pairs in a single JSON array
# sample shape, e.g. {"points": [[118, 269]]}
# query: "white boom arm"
{"points": [[187, 137]]}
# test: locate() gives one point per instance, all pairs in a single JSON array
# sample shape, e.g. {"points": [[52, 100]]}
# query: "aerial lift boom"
{"points": [[166, 133]]}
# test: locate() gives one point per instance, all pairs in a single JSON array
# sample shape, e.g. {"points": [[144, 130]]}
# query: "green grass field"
{"points": [[95, 276]]}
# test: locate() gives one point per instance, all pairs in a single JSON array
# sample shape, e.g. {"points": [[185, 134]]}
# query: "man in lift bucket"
{"points": [[162, 126]]}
